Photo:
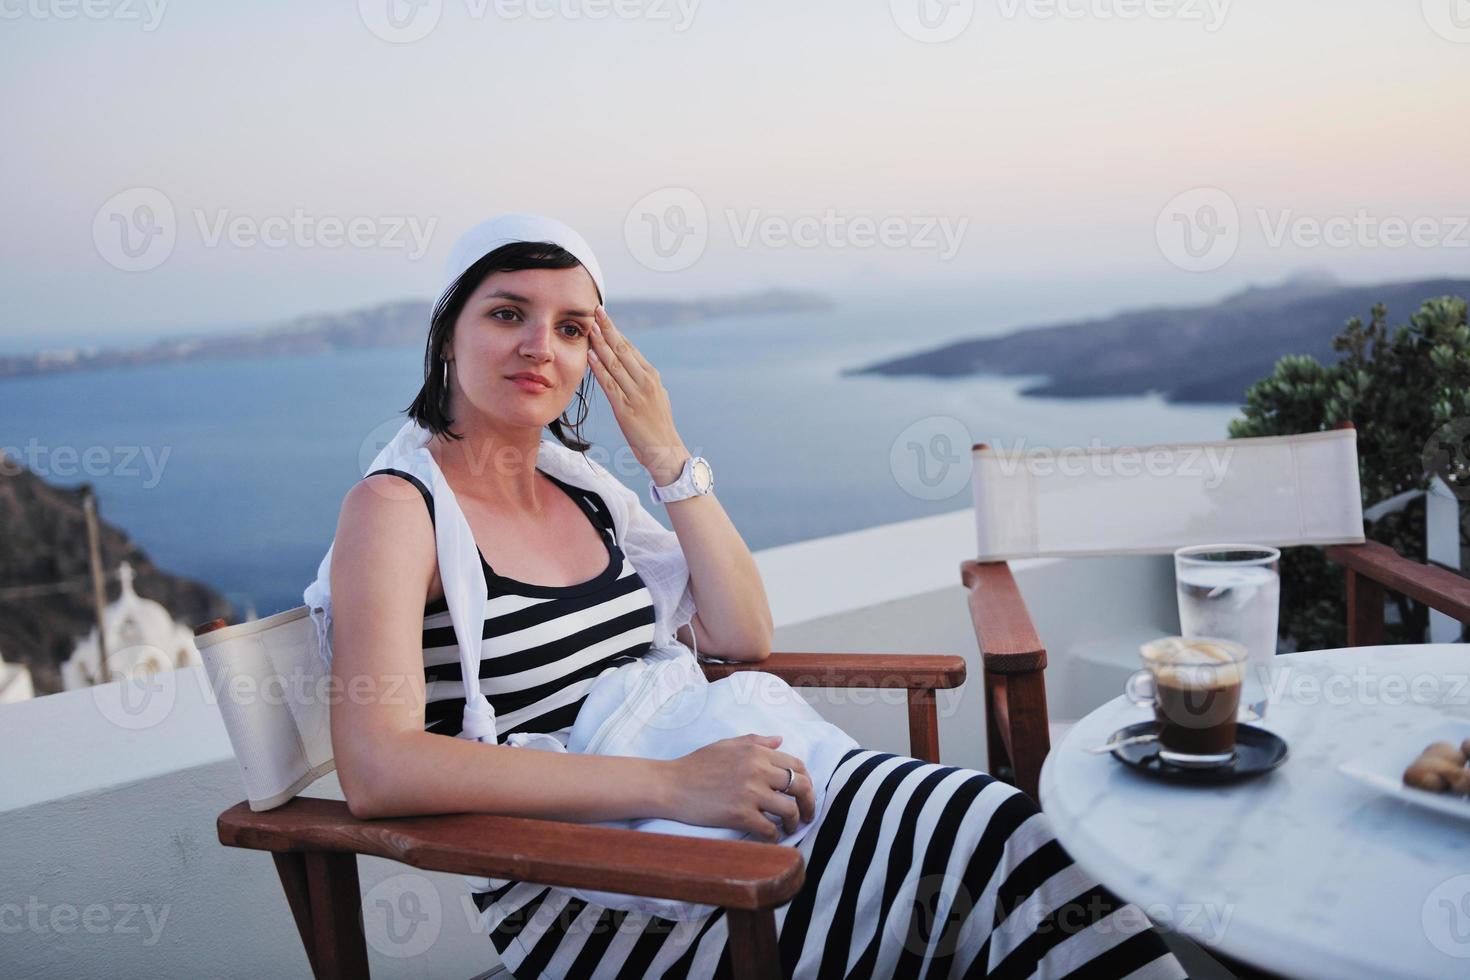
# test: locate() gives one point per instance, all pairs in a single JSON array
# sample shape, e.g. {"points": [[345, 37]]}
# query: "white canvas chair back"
{"points": [[1273, 490], [273, 694]]}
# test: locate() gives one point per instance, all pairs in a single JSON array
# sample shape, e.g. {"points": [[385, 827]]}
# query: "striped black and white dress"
{"points": [[914, 869]]}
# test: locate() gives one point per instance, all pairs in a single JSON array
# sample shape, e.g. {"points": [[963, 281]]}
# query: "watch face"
{"points": [[703, 478]]}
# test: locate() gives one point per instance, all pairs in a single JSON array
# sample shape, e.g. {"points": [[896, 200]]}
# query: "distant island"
{"points": [[1198, 354], [399, 324]]}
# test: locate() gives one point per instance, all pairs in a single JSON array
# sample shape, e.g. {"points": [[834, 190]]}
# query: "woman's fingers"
{"points": [[613, 349], [784, 807]]}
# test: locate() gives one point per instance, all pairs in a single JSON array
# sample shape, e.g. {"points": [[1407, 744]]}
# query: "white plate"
{"points": [[1383, 769]]}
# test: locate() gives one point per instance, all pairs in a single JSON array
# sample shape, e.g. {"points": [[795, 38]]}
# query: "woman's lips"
{"points": [[526, 384]]}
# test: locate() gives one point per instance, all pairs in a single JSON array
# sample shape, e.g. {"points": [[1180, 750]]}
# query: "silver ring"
{"points": [[790, 778]]}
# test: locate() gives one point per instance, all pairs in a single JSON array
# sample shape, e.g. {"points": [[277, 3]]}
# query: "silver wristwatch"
{"points": [[695, 479]]}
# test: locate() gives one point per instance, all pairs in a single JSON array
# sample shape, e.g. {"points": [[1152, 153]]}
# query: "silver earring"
{"points": [[445, 362]]}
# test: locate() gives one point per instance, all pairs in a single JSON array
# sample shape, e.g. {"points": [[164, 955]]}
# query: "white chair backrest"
{"points": [[1272, 490], [273, 693]]}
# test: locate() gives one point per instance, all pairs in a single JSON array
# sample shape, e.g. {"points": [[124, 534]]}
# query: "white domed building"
{"points": [[15, 683], [142, 639]]}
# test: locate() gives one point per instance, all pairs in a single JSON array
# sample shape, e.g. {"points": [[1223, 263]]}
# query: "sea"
{"points": [[233, 472]]}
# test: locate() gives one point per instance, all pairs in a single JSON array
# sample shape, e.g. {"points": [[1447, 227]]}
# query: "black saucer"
{"points": [[1256, 751]]}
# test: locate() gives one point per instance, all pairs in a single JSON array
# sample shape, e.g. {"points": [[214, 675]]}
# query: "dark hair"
{"points": [[430, 407]]}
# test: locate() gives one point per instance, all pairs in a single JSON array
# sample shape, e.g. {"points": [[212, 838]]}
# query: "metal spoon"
{"points": [[1119, 743]]}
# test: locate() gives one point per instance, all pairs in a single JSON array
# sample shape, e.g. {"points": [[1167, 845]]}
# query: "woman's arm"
{"points": [[383, 562], [734, 618]]}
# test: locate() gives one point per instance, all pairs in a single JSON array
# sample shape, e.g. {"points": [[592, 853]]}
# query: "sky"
{"points": [[174, 167]]}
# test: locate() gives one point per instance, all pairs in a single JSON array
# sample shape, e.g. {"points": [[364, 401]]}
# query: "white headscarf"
{"points": [[653, 550], [505, 229]]}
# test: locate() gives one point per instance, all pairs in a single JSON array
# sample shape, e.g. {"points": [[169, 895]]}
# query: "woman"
{"points": [[911, 868]]}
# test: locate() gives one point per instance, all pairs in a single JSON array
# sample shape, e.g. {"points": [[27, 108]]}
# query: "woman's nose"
{"points": [[537, 340]]}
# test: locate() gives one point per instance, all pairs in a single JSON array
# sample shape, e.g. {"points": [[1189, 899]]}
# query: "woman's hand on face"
{"points": [[730, 782], [638, 400]]}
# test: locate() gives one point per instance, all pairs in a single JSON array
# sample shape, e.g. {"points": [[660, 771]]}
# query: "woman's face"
{"points": [[535, 321]]}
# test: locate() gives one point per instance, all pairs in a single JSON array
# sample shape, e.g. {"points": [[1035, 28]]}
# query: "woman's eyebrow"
{"points": [[517, 298]]}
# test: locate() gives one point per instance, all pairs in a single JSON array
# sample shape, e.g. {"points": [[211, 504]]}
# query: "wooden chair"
{"points": [[282, 748], [1294, 490]]}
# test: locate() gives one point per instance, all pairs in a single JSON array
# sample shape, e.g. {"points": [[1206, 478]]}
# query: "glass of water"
{"points": [[1233, 592]]}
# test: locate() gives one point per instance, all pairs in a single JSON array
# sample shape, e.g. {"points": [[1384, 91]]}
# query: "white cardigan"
{"points": [[658, 707]]}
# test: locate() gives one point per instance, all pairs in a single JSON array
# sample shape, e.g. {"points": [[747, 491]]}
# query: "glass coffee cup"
{"points": [[1193, 686]]}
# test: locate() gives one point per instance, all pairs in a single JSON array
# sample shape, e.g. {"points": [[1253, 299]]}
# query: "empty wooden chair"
{"points": [[1278, 490]]}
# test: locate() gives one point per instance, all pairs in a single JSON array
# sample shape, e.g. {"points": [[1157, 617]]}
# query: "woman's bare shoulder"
{"points": [[386, 517]]}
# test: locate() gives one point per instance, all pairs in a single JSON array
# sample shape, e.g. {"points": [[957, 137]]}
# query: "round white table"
{"points": [[1302, 871]]}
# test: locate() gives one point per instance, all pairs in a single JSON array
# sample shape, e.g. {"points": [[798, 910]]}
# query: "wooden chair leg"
{"points": [[754, 953], [1030, 729], [1364, 611], [997, 728], [923, 725], [336, 916], [291, 866], [1017, 734]]}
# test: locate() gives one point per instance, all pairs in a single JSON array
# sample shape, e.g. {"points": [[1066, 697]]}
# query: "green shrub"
{"points": [[1406, 390]]}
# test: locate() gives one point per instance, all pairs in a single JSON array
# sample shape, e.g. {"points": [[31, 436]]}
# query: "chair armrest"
{"points": [[915, 671], [1436, 587], [1003, 627], [731, 874]]}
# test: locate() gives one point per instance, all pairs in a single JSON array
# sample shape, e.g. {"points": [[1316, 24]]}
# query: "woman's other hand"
{"points": [[734, 782]]}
